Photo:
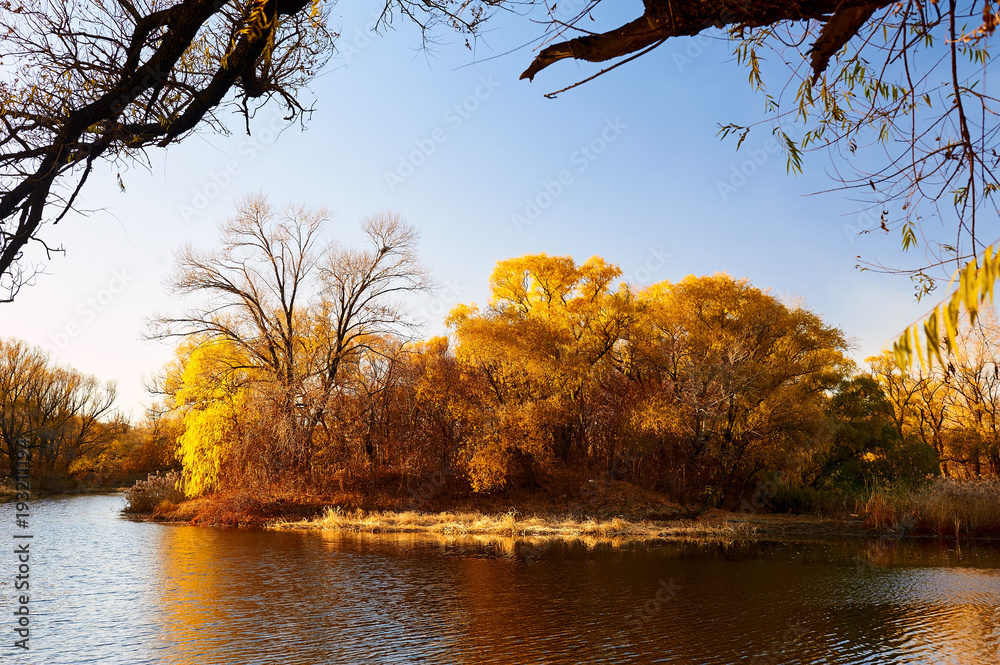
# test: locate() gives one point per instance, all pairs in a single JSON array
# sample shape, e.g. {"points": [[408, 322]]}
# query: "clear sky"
{"points": [[456, 144]]}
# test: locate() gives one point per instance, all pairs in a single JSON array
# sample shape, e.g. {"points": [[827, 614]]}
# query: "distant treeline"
{"points": [[296, 370], [68, 421]]}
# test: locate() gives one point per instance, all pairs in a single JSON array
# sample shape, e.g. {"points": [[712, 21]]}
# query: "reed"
{"points": [[946, 507], [513, 524]]}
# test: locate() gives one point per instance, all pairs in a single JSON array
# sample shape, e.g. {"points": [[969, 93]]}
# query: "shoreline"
{"points": [[619, 512], [717, 526]]}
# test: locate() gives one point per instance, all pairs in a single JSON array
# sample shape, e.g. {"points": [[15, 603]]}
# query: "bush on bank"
{"points": [[146, 495]]}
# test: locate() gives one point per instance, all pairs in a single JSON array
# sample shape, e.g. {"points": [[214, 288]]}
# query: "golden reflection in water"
{"points": [[522, 604], [233, 596], [260, 597], [189, 591]]}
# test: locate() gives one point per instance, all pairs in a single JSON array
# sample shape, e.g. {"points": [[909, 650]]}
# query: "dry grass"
{"points": [[147, 495], [514, 525], [882, 509], [945, 508]]}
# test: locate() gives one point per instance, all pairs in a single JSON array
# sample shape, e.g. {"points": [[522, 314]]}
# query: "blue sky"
{"points": [[636, 151]]}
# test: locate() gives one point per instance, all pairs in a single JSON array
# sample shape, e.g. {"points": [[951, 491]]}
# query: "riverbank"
{"points": [[528, 517], [614, 510], [714, 525], [320, 514], [601, 502]]}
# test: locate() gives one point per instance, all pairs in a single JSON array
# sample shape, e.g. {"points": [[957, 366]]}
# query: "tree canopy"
{"points": [[897, 91], [695, 388], [278, 319], [104, 80]]}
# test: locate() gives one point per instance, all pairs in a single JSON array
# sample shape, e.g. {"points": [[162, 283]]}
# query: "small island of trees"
{"points": [[299, 379]]}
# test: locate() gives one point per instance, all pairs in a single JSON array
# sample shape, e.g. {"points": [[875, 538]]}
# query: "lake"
{"points": [[108, 590]]}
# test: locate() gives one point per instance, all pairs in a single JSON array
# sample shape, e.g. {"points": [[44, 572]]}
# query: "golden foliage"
{"points": [[924, 340], [729, 380], [540, 347], [690, 387], [212, 395]]}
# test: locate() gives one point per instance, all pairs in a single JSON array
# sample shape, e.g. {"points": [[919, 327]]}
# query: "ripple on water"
{"points": [[111, 591]]}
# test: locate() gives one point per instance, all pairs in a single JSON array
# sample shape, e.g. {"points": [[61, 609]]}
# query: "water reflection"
{"points": [[122, 592]]}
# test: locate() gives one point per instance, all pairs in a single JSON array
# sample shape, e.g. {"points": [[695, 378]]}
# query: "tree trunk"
{"points": [[527, 463]]}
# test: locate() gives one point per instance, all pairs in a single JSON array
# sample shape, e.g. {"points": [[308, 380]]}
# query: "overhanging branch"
{"points": [[663, 19]]}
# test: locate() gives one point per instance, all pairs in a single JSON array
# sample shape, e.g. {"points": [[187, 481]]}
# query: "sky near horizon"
{"points": [[628, 167]]}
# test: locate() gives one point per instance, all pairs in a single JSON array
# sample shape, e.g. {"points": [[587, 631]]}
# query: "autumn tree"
{"points": [[731, 382], [135, 451], [441, 419], [58, 412], [402, 417], [954, 407], [924, 408], [699, 388], [439, 381], [975, 377], [208, 387], [23, 372], [290, 312], [540, 344], [76, 418]]}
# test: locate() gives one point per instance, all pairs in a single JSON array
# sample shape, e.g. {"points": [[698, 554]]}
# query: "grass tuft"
{"points": [[946, 507]]}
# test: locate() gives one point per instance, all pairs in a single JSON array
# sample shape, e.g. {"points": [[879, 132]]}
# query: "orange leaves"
{"points": [[541, 346], [543, 283], [732, 369], [550, 318]]}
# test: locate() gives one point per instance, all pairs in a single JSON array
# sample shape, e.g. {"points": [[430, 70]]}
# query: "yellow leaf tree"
{"points": [[731, 382], [540, 347], [210, 390]]}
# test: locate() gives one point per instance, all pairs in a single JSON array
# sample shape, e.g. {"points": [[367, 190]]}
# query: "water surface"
{"points": [[112, 591]]}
